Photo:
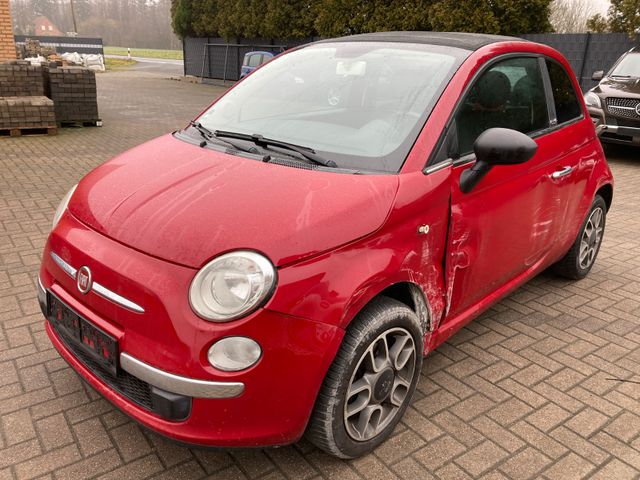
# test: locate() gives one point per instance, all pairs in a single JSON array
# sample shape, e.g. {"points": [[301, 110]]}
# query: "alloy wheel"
{"points": [[380, 384], [591, 238]]}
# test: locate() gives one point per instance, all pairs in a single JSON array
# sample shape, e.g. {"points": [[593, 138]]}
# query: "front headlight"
{"points": [[63, 206], [592, 100], [231, 286]]}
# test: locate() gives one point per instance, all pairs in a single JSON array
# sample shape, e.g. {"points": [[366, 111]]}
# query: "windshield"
{"points": [[629, 66], [360, 104]]}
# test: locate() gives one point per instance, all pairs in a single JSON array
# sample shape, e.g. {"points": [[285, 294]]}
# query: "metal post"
{"points": [[204, 57], [184, 57], [584, 59], [73, 16], [226, 60]]}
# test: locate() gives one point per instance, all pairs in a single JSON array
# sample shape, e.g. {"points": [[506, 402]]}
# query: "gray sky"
{"points": [[601, 5]]}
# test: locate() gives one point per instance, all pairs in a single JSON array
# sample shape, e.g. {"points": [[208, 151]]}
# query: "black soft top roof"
{"points": [[467, 41]]}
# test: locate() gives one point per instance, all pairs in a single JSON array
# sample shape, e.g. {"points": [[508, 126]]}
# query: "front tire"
{"points": [[371, 381], [579, 260]]}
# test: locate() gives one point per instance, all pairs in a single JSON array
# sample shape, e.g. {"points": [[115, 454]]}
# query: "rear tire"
{"points": [[371, 381], [579, 260]]}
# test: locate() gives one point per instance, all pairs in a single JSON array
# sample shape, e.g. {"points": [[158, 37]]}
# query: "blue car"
{"points": [[253, 60]]}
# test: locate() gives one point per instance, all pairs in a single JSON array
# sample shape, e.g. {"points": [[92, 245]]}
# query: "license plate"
{"points": [[100, 346]]}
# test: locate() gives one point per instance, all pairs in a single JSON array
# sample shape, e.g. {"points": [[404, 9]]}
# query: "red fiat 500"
{"points": [[283, 263]]}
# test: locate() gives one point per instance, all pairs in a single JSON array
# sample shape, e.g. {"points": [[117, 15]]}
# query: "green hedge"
{"points": [[328, 18]]}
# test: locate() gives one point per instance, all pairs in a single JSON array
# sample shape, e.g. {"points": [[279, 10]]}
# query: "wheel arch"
{"points": [[406, 292]]}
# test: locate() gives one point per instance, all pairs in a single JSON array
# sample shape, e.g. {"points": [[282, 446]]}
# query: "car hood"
{"points": [[619, 87], [187, 204]]}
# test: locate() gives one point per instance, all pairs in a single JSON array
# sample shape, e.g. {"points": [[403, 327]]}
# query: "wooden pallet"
{"points": [[86, 123], [19, 131]]}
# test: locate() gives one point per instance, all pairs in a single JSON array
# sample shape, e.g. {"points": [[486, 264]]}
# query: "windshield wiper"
{"points": [[621, 76], [208, 135], [261, 141]]}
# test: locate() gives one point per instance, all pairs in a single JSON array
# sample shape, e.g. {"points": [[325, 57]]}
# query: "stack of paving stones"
{"points": [[23, 106], [74, 94], [18, 113], [18, 78], [33, 48]]}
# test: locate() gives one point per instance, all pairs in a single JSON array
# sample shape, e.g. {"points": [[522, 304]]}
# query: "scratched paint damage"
{"points": [[459, 252]]}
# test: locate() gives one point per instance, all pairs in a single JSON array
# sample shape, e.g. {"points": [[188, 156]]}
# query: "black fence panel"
{"points": [[211, 57], [586, 52], [66, 44]]}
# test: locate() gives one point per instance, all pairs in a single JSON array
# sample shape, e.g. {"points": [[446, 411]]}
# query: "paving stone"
{"points": [[587, 422], [509, 411], [481, 458], [330, 468], [92, 437], [18, 427], [526, 464], [186, 471], [54, 431], [493, 431], [370, 467], [624, 427], [130, 441], [409, 469], [90, 467], [141, 468], [617, 470], [571, 467], [254, 463], [47, 462], [579, 445]]}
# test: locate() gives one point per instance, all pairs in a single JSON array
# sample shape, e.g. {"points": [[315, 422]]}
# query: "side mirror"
{"points": [[497, 146], [597, 76]]}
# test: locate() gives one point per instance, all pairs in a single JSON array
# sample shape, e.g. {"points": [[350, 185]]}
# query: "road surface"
{"points": [[160, 66]]}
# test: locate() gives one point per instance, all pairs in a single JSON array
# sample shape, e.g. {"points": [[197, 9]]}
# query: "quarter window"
{"points": [[510, 94], [564, 95]]}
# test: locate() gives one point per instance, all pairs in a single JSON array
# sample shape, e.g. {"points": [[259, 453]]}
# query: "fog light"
{"points": [[232, 354]]}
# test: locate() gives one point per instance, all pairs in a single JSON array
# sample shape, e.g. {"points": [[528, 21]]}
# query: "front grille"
{"points": [[628, 122], [136, 390], [623, 102], [623, 107]]}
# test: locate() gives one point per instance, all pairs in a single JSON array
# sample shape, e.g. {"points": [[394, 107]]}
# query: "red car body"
{"points": [[337, 241]]}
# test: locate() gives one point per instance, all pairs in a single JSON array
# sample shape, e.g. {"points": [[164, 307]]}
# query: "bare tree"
{"points": [[571, 16], [125, 23]]}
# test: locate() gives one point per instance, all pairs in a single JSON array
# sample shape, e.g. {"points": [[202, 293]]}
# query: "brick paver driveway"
{"points": [[540, 386]]}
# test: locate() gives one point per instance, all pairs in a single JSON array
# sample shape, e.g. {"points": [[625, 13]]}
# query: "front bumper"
{"points": [[613, 130], [165, 348]]}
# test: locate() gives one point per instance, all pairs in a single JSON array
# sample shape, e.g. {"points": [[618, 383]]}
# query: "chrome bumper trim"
{"points": [[628, 131], [97, 287], [68, 269], [42, 296], [182, 385], [115, 298]]}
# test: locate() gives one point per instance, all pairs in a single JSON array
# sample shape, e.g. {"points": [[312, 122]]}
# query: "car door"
{"points": [[505, 226], [575, 154]]}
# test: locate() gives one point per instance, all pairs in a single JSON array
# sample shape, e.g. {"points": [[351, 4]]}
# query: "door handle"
{"points": [[562, 173]]}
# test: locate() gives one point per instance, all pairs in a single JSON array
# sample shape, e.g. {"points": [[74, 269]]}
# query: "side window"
{"points": [[254, 60], [564, 95], [510, 94]]}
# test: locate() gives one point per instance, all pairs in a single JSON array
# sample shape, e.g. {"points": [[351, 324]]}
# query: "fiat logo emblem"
{"points": [[83, 280]]}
